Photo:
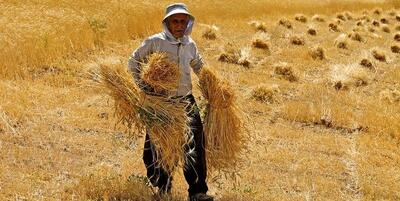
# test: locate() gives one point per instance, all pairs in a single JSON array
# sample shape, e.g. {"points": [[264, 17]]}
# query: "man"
{"points": [[175, 41]]}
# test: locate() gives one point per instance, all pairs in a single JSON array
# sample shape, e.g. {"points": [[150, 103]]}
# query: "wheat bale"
{"points": [[395, 49], [349, 15], [396, 37], [161, 74], [379, 55], [398, 18], [360, 23], [259, 26], [392, 13], [233, 54], [284, 71], [318, 18], [356, 37], [223, 123], [265, 93], [343, 76], [300, 18], [367, 64], [384, 21], [166, 120], [317, 53], [312, 31], [333, 27], [341, 42], [285, 23], [385, 28], [341, 16], [261, 40], [376, 23], [210, 32], [377, 11], [297, 40], [371, 29]]}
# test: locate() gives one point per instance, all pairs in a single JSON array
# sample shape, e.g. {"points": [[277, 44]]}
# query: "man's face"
{"points": [[177, 24]]}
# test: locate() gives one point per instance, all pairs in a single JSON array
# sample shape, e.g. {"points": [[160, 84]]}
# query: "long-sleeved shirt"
{"points": [[182, 51]]}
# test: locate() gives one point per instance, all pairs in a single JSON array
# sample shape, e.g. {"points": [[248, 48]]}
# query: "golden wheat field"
{"points": [[319, 81]]}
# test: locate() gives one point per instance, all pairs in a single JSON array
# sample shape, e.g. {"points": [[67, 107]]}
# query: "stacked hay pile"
{"points": [[233, 54], [165, 120], [224, 126]]}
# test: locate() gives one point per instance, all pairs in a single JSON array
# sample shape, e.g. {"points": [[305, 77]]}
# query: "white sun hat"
{"points": [[175, 9]]}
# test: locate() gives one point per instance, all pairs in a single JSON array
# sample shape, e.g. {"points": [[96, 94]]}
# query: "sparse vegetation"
{"points": [[318, 129]]}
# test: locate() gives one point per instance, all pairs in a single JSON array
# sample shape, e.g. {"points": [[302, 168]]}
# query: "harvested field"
{"points": [[322, 110]]}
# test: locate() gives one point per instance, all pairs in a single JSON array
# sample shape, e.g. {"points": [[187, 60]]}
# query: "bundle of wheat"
{"points": [[161, 74], [165, 119], [224, 126], [233, 54], [261, 40], [210, 32]]}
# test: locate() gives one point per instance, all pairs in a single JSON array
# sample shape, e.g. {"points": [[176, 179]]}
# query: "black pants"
{"points": [[195, 169]]}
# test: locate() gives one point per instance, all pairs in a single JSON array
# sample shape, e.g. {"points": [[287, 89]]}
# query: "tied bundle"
{"points": [[161, 74], [165, 119], [224, 127]]}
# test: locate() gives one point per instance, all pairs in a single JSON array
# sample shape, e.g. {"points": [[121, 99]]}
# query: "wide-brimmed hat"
{"points": [[175, 9]]}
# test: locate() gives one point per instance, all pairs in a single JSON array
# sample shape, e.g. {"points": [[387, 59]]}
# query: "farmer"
{"points": [[181, 49]]}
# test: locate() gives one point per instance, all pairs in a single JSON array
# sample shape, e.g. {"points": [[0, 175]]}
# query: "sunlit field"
{"points": [[319, 82]]}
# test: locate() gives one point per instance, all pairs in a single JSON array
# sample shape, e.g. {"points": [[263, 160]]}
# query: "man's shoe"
{"points": [[201, 197]]}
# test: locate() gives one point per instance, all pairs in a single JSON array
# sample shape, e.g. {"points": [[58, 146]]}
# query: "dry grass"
{"points": [[224, 123], [390, 95], [312, 143], [106, 184]]}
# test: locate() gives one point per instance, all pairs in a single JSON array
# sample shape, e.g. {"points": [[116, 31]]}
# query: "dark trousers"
{"points": [[195, 169]]}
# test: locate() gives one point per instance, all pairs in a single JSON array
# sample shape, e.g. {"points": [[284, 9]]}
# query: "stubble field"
{"points": [[318, 80]]}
